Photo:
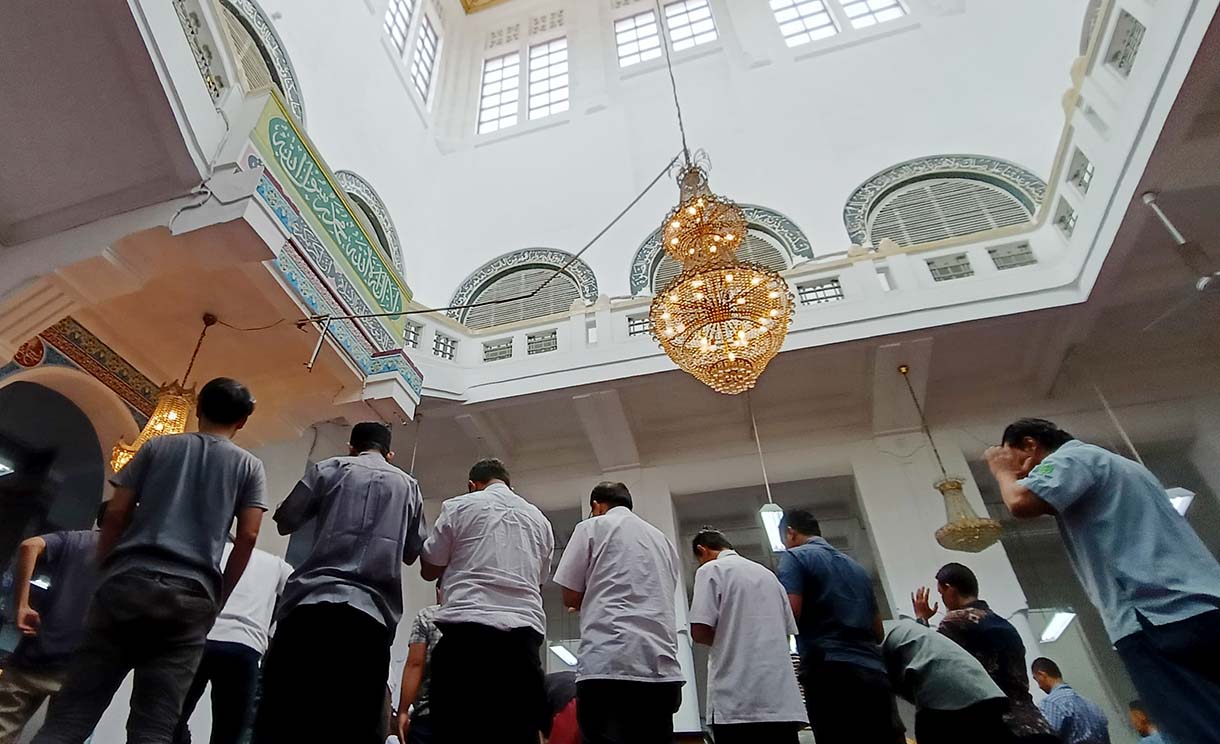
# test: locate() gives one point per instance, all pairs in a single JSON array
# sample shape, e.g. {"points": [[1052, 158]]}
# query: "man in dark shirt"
{"points": [[847, 692], [38, 666], [370, 522], [993, 641], [161, 583]]}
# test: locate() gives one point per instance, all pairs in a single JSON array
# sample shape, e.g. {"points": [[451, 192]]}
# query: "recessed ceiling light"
{"points": [[1181, 499], [1059, 623], [564, 655]]}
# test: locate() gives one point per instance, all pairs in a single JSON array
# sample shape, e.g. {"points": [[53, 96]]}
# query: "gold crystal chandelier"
{"points": [[965, 530], [173, 409], [721, 320]]}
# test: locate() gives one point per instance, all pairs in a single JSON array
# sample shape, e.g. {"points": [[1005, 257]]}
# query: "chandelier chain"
{"points": [[198, 345], [673, 84], [905, 371]]}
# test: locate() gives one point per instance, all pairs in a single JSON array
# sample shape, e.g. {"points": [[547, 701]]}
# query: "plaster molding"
{"points": [[353, 183], [578, 271], [270, 43]]}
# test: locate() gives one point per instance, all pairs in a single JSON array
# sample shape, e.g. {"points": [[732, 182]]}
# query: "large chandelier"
{"points": [[170, 416], [721, 320], [964, 529]]}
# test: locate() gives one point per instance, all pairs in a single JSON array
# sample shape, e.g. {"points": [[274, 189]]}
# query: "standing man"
{"points": [[991, 639], [325, 674], [847, 693], [1144, 725], [161, 587], [51, 634], [1154, 582], [742, 611], [1078, 721], [621, 574], [414, 714], [956, 701], [234, 649], [494, 550]]}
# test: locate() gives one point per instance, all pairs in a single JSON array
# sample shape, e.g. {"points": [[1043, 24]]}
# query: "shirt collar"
{"points": [[727, 552], [978, 604], [1061, 686]]}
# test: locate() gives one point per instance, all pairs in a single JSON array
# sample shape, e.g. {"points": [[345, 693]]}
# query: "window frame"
{"points": [[427, 23], [523, 49], [392, 7], [483, 94], [664, 35]]}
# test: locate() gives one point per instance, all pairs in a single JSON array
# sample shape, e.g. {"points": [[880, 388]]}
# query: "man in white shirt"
{"points": [[234, 648], [494, 550], [742, 611], [621, 573]]}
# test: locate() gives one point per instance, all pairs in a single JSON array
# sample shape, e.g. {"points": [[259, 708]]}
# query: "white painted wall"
{"points": [[795, 130]]}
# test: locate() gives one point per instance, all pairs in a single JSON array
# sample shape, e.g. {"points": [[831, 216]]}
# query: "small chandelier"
{"points": [[965, 530], [721, 320], [172, 412]]}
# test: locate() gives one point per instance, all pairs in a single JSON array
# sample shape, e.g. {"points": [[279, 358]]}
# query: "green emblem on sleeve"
{"points": [[1046, 468]]}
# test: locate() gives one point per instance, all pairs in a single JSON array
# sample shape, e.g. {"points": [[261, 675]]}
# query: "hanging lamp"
{"points": [[721, 320], [965, 530], [171, 414]]}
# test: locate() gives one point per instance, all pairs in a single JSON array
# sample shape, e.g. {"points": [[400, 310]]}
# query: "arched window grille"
{"points": [[518, 274]]}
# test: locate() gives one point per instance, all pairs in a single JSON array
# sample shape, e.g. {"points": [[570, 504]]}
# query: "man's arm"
{"points": [[412, 678], [435, 554], [572, 599], [28, 619], [703, 634], [1008, 470], [118, 515], [249, 519], [795, 600], [301, 505]]}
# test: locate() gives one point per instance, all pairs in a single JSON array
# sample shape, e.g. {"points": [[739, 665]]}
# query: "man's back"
{"points": [[188, 489], [1076, 719], [628, 573], [246, 617], [838, 610], [934, 672], [369, 522], [496, 548], [71, 562]]}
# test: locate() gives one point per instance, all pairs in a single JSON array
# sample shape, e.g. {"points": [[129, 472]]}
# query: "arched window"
{"points": [[517, 274], [772, 240], [261, 54], [373, 215], [941, 197]]}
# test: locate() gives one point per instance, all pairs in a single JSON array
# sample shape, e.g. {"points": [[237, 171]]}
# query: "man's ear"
{"points": [[389, 456], [241, 424]]}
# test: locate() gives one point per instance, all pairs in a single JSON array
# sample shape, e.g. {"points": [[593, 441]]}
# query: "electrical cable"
{"points": [[673, 84], [232, 327]]}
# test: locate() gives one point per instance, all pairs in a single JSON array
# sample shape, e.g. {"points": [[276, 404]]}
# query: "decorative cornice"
{"points": [[1028, 188], [474, 6], [354, 184], [273, 47], [579, 271], [761, 219]]}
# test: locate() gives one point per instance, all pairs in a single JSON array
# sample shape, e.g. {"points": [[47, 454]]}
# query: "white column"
{"points": [[894, 477], [653, 503]]}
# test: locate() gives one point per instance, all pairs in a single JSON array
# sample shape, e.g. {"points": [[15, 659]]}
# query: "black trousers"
{"points": [[499, 673], [850, 704], [622, 712], [232, 669], [756, 733], [982, 722], [1176, 668], [324, 678]]}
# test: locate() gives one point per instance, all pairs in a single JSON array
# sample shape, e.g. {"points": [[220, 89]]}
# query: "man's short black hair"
{"points": [[960, 578], [612, 494], [802, 521], [371, 435], [710, 538], [488, 470], [1044, 432], [225, 401], [1047, 667]]}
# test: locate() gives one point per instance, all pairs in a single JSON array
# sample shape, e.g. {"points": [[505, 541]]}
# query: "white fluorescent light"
{"points": [[771, 516], [1180, 498], [792, 644], [6, 469], [564, 655], [42, 582], [1057, 625]]}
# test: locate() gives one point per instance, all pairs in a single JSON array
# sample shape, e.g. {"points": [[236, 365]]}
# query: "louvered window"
{"points": [[946, 268], [444, 346], [637, 325], [541, 343], [254, 68], [398, 22], [939, 208], [494, 351], [556, 297], [410, 335], [820, 292], [1012, 256], [755, 249], [423, 63]]}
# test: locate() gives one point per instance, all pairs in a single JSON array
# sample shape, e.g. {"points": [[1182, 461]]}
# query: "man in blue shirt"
{"points": [[1154, 582], [847, 693], [1078, 721], [1143, 725]]}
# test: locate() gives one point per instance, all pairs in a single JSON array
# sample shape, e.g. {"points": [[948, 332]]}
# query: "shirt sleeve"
{"points": [[705, 605], [302, 503], [1061, 479], [439, 545], [419, 630], [55, 545], [132, 476], [574, 565], [254, 490], [790, 574], [417, 527], [548, 551], [1056, 714], [789, 618], [285, 574]]}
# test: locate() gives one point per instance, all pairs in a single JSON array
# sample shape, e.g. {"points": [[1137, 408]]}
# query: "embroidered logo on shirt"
{"points": [[1046, 468]]}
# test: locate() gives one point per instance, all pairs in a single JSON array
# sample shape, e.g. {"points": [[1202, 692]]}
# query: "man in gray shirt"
{"points": [[161, 584], [1155, 583], [324, 675], [956, 701]]}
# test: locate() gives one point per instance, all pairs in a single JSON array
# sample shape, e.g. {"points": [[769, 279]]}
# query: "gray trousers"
{"points": [[150, 623]]}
